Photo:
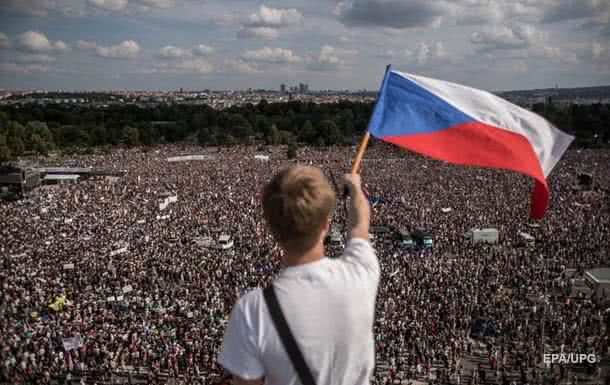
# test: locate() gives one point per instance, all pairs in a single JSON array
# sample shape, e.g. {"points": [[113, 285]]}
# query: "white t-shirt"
{"points": [[329, 306]]}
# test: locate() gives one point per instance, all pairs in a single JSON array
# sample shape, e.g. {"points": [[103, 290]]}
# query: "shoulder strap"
{"points": [[290, 344]]}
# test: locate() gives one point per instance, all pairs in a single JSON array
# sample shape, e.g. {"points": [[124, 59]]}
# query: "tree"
{"points": [[131, 136], [203, 136], [307, 133], [330, 132], [5, 152], [291, 153], [276, 137], [16, 145], [38, 137]]}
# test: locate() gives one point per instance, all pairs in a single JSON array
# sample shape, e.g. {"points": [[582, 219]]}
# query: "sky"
{"points": [[328, 44]]}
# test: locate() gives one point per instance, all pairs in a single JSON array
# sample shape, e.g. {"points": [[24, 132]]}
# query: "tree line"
{"points": [[38, 129]]}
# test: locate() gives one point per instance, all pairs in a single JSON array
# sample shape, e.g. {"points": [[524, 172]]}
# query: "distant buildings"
{"points": [[302, 88]]}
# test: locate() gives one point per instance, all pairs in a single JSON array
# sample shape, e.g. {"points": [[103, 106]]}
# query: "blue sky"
{"points": [[340, 44]]}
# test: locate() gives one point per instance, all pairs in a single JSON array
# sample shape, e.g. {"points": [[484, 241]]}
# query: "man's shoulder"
{"points": [[251, 300]]}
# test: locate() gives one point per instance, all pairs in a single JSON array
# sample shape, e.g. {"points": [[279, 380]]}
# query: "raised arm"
{"points": [[359, 211]]}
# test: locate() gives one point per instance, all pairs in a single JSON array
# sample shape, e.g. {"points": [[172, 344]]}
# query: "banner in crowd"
{"points": [[72, 343]]}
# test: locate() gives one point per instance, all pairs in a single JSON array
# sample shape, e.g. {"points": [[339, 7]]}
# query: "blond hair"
{"points": [[297, 202]]}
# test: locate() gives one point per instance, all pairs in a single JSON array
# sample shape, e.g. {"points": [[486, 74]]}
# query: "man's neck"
{"points": [[313, 255]]}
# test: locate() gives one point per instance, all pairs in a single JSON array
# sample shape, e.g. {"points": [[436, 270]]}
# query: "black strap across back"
{"points": [[290, 344]]}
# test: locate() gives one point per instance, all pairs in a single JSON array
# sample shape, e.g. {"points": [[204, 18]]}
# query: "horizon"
{"points": [[173, 44], [270, 90]]}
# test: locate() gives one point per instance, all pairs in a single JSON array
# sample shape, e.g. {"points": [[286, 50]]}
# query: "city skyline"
{"points": [[341, 45]]}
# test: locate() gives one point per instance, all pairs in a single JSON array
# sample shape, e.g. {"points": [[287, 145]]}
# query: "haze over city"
{"points": [[172, 44]]}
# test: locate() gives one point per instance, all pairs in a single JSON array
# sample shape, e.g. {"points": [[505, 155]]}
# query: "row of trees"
{"points": [[37, 128], [82, 127]]}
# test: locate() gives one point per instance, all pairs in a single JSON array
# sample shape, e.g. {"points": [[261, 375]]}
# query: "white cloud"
{"points": [[124, 6], [202, 50], [271, 55], [4, 40], [83, 44], [189, 65], [109, 5], [174, 52], [258, 33], [600, 53], [34, 59], [331, 58], [273, 18], [439, 50], [477, 12], [33, 41], [266, 22], [516, 36], [61, 46], [24, 69], [423, 52], [198, 65], [426, 53], [171, 52], [128, 49], [243, 66], [158, 3]]}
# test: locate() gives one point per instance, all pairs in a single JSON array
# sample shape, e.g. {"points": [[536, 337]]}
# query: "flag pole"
{"points": [[365, 139], [361, 148]]}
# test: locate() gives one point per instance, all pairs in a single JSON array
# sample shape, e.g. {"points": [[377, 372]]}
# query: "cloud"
{"points": [[600, 53], [331, 58], [266, 22], [128, 49], [517, 36], [174, 52], [24, 69], [271, 55], [4, 40], [83, 44], [203, 50], [481, 12], [38, 8], [108, 5], [33, 41], [561, 10], [243, 66], [258, 33], [158, 3], [123, 6], [199, 66], [61, 46], [273, 18], [34, 59], [390, 13], [171, 52]]}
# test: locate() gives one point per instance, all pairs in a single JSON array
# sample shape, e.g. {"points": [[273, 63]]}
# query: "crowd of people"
{"points": [[100, 283]]}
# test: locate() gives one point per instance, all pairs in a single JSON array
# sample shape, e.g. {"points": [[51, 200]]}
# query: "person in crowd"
{"points": [[100, 281]]}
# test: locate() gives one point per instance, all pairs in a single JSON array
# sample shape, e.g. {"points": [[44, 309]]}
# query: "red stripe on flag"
{"points": [[483, 145]]}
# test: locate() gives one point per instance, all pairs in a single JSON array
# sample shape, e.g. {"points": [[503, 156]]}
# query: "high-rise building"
{"points": [[303, 88], [283, 88]]}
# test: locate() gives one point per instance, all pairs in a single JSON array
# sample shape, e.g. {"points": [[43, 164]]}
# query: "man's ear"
{"points": [[327, 224]]}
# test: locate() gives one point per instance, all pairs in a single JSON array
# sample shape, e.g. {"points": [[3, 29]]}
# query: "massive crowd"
{"points": [[99, 284]]}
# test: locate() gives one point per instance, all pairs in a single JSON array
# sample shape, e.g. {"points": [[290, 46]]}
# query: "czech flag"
{"points": [[467, 126]]}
